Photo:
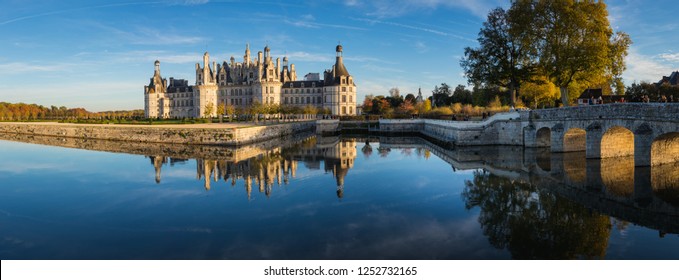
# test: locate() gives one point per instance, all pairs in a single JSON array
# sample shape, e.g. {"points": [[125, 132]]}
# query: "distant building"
{"points": [[419, 98], [312, 77], [596, 96], [241, 84], [672, 80]]}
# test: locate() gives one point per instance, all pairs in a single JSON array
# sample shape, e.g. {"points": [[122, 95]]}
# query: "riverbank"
{"points": [[196, 134]]}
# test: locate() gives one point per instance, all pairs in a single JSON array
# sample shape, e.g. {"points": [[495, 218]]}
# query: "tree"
{"points": [[209, 109], [441, 95], [394, 92], [507, 50], [229, 110], [406, 108], [577, 43], [540, 94], [410, 97], [220, 111], [461, 95], [368, 103]]}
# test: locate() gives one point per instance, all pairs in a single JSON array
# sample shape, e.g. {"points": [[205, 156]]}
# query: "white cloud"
{"points": [[670, 57], [645, 68], [21, 67], [421, 47]]}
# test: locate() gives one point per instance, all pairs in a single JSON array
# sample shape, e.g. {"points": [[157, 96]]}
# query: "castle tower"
{"points": [[246, 58], [156, 105], [205, 91], [340, 91]]}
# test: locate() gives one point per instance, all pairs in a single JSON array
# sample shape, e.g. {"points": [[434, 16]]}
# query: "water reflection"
{"points": [[534, 223], [531, 203]]}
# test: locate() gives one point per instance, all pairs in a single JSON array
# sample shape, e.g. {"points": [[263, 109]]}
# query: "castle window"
{"points": [[344, 98], [308, 91], [286, 100], [344, 89], [344, 110], [351, 99], [296, 100], [271, 90], [319, 100], [351, 110], [296, 91], [307, 100]]}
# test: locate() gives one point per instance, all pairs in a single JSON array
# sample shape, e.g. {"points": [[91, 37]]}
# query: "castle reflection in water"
{"points": [[272, 166]]}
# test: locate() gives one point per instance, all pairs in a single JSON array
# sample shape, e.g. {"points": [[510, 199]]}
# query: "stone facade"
{"points": [[242, 84]]}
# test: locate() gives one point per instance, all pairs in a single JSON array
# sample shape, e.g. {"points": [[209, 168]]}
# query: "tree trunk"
{"points": [[512, 95], [564, 96], [220, 118]]}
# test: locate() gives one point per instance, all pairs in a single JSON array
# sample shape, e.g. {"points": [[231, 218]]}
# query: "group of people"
{"points": [[661, 99]]}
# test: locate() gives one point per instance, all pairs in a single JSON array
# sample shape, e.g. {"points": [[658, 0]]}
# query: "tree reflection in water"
{"points": [[532, 223]]}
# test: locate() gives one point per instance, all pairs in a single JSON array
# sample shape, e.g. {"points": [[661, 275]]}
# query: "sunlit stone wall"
{"points": [[617, 142], [665, 149], [148, 134]]}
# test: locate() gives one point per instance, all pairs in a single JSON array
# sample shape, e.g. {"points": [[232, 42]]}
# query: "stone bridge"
{"points": [[647, 131]]}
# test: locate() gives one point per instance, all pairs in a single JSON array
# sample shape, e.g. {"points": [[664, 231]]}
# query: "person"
{"points": [[601, 101], [591, 100], [622, 100]]}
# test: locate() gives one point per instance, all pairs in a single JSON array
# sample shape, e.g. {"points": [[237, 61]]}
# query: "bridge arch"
{"points": [[543, 137], [617, 141], [665, 149], [575, 139]]}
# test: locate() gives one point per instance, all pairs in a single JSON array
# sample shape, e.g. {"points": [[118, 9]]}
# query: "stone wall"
{"points": [[501, 129], [178, 134]]}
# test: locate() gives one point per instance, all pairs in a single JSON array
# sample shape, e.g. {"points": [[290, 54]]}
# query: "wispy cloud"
{"points": [[23, 67], [421, 47], [64, 11], [416, 28], [141, 35], [670, 57], [647, 68], [391, 8]]}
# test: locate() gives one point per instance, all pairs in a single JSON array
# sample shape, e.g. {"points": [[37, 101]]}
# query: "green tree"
{"points": [[220, 111], [229, 110], [441, 95], [507, 49], [540, 94], [461, 95], [578, 43], [209, 109]]}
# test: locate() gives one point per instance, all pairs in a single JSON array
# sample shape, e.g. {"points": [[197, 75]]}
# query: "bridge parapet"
{"points": [[638, 111]]}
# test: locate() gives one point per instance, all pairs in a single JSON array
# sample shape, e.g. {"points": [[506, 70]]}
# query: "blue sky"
{"points": [[99, 54]]}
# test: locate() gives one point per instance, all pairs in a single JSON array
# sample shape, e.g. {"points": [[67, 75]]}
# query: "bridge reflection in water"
{"points": [[533, 202]]}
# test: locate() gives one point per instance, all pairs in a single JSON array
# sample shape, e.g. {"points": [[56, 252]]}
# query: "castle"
{"points": [[241, 84]]}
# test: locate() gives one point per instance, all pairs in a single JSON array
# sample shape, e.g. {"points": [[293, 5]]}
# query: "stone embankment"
{"points": [[214, 134]]}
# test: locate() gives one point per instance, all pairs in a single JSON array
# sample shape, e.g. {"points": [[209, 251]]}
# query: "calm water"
{"points": [[328, 198]]}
